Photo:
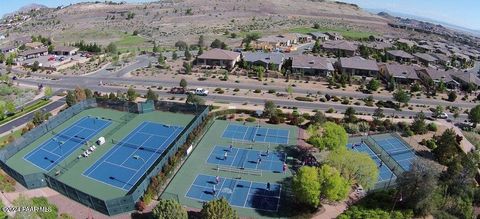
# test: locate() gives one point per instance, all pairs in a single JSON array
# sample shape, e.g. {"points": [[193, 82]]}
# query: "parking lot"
{"points": [[55, 61]]}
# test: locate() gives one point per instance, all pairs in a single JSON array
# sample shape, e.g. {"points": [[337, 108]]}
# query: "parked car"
{"points": [[177, 90], [199, 92]]}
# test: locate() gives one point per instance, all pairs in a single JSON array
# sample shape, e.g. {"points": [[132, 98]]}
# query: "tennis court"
{"points": [[239, 193], [247, 159], [256, 134], [125, 163], [51, 152], [398, 150], [384, 172]]}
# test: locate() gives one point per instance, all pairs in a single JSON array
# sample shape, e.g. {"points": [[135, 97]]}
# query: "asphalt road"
{"points": [[28, 117]]}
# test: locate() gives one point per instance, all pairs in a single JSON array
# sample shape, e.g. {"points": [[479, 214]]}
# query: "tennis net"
{"points": [[77, 139], [384, 156], [134, 146], [398, 152]]}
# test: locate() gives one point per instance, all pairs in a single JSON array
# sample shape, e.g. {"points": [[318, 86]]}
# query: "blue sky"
{"points": [[465, 13]]}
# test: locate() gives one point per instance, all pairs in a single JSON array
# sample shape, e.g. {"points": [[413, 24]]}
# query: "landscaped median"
{"points": [[25, 111]]}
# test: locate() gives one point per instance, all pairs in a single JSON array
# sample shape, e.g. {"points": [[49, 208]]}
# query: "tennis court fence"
{"points": [[238, 170], [384, 156]]}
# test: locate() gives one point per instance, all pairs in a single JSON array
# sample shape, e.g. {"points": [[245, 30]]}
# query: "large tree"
{"points": [[151, 95], [169, 209], [131, 94], [447, 147], [70, 98], [218, 209], [333, 187], [195, 99], [349, 115], [183, 83], [318, 118], [270, 109], [419, 126], [331, 136], [10, 107], [354, 166], [48, 91], [80, 94], [474, 115], [306, 186], [401, 96], [417, 187], [373, 85]]}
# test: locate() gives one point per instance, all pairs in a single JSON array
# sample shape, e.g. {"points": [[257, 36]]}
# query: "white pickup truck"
{"points": [[199, 92]]}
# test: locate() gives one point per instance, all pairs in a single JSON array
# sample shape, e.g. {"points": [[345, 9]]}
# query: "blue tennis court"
{"points": [[247, 159], [384, 172], [239, 193], [124, 164], [53, 151], [257, 134], [403, 154]]}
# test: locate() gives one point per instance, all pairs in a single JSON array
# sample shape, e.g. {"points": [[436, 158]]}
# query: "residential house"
{"points": [[425, 59], [218, 57], [33, 53], [442, 59], [312, 65], [64, 50], [8, 49], [399, 56], [319, 36], [272, 42], [402, 74], [298, 37], [358, 66], [406, 42], [380, 46], [334, 36], [270, 61], [340, 48], [465, 78], [437, 76], [425, 48]]}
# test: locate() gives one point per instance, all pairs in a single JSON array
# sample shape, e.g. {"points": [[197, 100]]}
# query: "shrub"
{"points": [[239, 119], [271, 91], [432, 127], [306, 99], [250, 119], [330, 110], [236, 90], [257, 91]]}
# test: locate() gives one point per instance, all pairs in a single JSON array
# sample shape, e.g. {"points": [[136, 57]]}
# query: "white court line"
{"points": [[141, 145], [128, 168], [248, 193]]}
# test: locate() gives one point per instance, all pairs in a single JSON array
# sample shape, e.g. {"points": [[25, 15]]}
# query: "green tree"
{"points": [[181, 45], [188, 55], [23, 201], [174, 55], [349, 115], [155, 48], [50, 49], [401, 96], [333, 187], [201, 41], [10, 107], [183, 83], [2, 112], [187, 67], [48, 91], [151, 95], [452, 96], [378, 113], [131, 94], [331, 137], [80, 94], [438, 111], [218, 209], [35, 66], [169, 209], [417, 186], [161, 59], [70, 98], [195, 99], [218, 44], [200, 51], [355, 167], [306, 186], [253, 36], [317, 47], [474, 115], [2, 58], [270, 109], [419, 126], [447, 147], [318, 118], [289, 90], [373, 85], [88, 93], [111, 48]]}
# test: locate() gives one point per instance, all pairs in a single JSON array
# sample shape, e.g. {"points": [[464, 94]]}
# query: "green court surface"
{"points": [[199, 164], [122, 123]]}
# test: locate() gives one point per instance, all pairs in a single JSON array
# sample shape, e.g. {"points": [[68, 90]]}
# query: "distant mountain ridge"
{"points": [[392, 15], [27, 8]]}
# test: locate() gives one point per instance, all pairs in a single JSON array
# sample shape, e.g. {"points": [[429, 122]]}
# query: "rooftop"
{"points": [[219, 54], [340, 44], [402, 71], [358, 62], [425, 56], [400, 53], [276, 58], [312, 62]]}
